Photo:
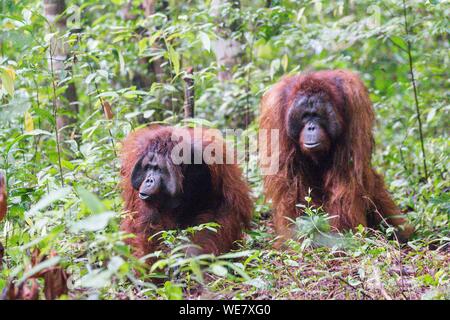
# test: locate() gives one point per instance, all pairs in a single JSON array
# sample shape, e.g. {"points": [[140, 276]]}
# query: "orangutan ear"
{"points": [[138, 175], [174, 182], [196, 176], [294, 117]]}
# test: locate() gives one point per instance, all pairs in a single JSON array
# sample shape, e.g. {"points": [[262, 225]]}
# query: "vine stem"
{"points": [[97, 90], [416, 99], [55, 114]]}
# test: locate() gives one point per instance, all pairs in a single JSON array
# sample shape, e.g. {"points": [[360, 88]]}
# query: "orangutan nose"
{"points": [[143, 195], [311, 127]]}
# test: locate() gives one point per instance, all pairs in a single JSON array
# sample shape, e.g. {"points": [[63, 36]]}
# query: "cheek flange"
{"points": [[333, 126]]}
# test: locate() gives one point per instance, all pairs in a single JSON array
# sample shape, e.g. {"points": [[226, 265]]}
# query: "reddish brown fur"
{"points": [[233, 214], [350, 188]]}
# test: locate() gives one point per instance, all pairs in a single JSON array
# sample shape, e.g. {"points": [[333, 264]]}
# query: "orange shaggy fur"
{"points": [[3, 197], [350, 189]]}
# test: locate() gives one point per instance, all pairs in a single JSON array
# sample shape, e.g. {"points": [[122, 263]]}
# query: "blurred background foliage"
{"points": [[98, 69]]}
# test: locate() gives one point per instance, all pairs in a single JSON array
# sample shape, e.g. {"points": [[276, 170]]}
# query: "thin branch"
{"points": [[365, 294], [379, 284], [248, 107], [400, 261], [397, 45]]}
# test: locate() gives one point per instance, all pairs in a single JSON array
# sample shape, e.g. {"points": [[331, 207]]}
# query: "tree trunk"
{"points": [[227, 49]]}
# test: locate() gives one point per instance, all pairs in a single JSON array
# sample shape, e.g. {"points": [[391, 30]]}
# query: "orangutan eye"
{"points": [[308, 116]]}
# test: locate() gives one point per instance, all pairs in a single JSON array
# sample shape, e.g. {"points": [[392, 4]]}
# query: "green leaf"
{"points": [[291, 263], [206, 42], [195, 267], [285, 62], [133, 93], [67, 164], [154, 36], [90, 77], [257, 283], [234, 255], [27, 16], [28, 122], [431, 114], [52, 234], [115, 263], [39, 267], [96, 279], [121, 61]]}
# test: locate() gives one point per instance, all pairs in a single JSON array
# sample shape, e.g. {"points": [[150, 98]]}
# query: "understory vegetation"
{"points": [[93, 71]]}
